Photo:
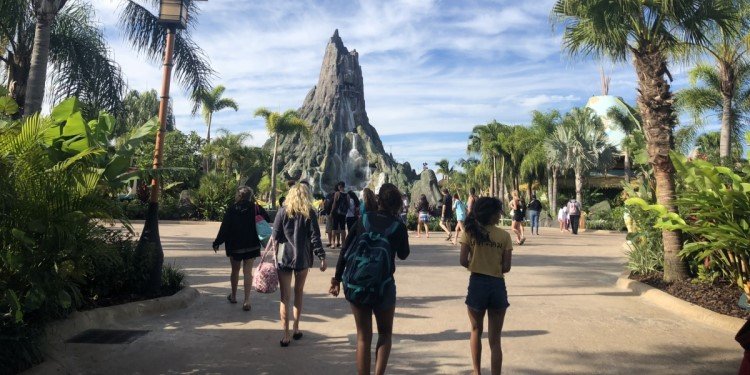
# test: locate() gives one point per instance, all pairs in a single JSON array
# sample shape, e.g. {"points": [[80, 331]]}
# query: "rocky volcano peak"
{"points": [[344, 146]]}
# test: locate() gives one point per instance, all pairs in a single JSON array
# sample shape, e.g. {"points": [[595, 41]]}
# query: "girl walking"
{"points": [[240, 239], [518, 216], [486, 253], [297, 237], [423, 218], [372, 293]]}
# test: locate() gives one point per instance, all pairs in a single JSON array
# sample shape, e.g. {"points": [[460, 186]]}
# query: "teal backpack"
{"points": [[369, 265]]}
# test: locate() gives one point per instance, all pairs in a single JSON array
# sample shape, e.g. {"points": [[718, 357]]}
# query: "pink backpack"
{"points": [[266, 278]]}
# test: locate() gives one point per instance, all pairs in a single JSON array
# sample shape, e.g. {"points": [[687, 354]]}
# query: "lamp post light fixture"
{"points": [[173, 15]]}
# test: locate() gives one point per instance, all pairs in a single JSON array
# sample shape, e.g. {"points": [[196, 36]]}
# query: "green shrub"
{"points": [[646, 254], [215, 193], [172, 280]]}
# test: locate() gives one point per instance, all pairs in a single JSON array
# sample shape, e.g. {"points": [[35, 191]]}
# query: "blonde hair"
{"points": [[514, 194], [298, 201]]}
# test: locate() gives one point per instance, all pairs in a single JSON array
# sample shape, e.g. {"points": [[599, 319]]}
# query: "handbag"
{"points": [[262, 227], [266, 278]]}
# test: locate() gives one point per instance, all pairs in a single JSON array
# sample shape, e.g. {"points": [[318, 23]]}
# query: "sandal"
{"points": [[246, 307], [297, 336], [229, 298], [522, 240], [283, 343]]}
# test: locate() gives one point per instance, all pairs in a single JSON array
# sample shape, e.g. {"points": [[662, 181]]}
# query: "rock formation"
{"points": [[343, 146], [427, 185]]}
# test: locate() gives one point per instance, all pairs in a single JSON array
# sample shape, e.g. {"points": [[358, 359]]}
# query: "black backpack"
{"points": [[342, 206], [369, 265]]}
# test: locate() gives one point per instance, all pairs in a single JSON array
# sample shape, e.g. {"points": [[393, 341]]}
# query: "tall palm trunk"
{"points": [[579, 184], [207, 162], [626, 164], [273, 170], [493, 185], [655, 102], [39, 60], [553, 197], [727, 75], [501, 188], [549, 190]]}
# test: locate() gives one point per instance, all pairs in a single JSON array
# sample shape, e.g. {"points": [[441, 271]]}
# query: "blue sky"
{"points": [[432, 69]]}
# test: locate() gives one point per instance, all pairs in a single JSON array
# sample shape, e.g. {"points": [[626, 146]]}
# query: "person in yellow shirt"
{"points": [[486, 252]]}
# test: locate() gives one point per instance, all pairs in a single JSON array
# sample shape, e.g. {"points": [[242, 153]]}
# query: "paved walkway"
{"points": [[565, 318]]}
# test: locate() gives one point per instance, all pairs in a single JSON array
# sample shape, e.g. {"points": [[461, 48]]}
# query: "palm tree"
{"points": [[279, 124], [209, 102], [230, 149], [445, 169], [79, 59], [486, 141], [708, 144], [148, 36], [543, 124], [137, 108], [725, 92], [649, 31], [45, 12], [586, 146], [556, 146]]}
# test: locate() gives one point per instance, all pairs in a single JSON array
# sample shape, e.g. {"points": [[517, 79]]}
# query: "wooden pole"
{"points": [[163, 108]]}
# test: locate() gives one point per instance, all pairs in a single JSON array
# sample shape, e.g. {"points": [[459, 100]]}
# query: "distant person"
{"points": [[352, 213], [574, 214], [562, 218], [535, 208], [369, 201], [327, 204], [486, 252], [446, 214], [518, 216], [423, 215], [460, 208], [369, 285], [338, 210], [471, 200], [241, 242], [404, 208], [296, 228]]}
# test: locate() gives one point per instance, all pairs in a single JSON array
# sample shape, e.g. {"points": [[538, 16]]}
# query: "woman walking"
{"points": [[369, 292], [460, 209], [240, 239], [518, 216], [535, 208], [352, 214], [472, 199], [423, 218], [297, 237], [486, 252]]}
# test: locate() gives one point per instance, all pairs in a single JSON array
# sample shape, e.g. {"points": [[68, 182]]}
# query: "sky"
{"points": [[433, 69]]}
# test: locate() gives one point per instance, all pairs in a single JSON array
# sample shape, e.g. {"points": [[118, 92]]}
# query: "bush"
{"points": [[215, 193], [172, 280], [646, 254]]}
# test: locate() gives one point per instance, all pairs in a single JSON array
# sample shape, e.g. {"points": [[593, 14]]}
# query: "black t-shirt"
{"points": [[448, 204], [379, 222], [535, 205]]}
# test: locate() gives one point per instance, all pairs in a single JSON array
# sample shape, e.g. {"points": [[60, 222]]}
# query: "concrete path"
{"points": [[565, 318]]}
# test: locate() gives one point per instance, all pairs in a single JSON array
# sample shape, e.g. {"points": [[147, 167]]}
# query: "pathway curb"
{"points": [[82, 320], [678, 306]]}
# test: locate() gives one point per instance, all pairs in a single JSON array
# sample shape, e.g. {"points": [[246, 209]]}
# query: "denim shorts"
{"points": [[486, 292]]}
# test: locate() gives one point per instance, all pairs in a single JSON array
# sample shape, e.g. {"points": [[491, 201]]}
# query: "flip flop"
{"points": [[297, 336], [246, 307], [523, 240], [229, 298], [284, 344]]}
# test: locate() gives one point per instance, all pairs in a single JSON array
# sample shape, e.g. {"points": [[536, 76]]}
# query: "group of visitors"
{"points": [[366, 264], [569, 216]]}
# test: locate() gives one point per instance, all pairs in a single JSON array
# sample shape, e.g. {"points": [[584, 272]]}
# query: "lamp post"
{"points": [[173, 15]]}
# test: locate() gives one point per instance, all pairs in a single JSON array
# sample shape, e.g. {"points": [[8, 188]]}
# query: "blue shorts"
{"points": [[424, 217], [486, 292]]}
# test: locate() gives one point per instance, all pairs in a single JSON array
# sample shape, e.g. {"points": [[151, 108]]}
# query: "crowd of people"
{"points": [[370, 230]]}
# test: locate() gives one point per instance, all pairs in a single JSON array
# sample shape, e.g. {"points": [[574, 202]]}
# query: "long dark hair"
{"points": [[423, 204], [371, 201], [353, 196], [485, 209], [389, 199]]}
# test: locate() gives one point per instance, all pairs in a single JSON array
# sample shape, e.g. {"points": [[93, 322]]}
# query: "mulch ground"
{"points": [[720, 297]]}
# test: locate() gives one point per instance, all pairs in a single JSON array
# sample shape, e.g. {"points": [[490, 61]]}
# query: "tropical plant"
{"points": [[215, 193], [725, 92], [182, 155], [210, 102], [536, 164], [80, 63], [714, 205], [136, 109], [485, 140], [148, 36], [445, 169], [230, 150], [281, 124], [649, 31], [582, 145]]}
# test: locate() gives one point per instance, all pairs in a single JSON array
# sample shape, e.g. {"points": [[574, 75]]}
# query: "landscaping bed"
{"points": [[720, 297]]}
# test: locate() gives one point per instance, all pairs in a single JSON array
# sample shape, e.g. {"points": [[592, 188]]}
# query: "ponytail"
{"points": [[485, 209]]}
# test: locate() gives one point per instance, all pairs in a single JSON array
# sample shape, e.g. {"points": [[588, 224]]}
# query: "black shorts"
{"points": [[387, 301], [486, 292], [339, 222], [241, 255]]}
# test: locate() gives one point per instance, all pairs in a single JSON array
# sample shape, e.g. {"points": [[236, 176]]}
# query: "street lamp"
{"points": [[173, 15]]}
